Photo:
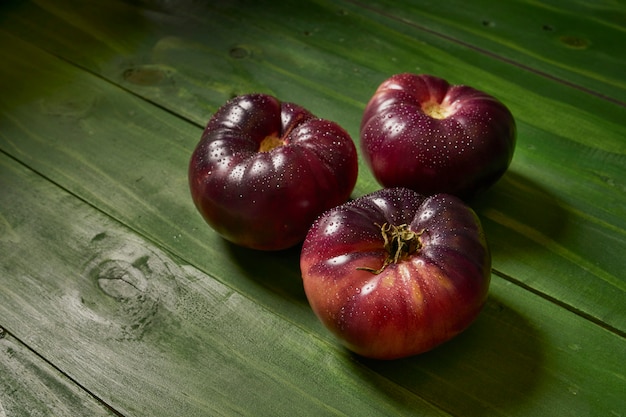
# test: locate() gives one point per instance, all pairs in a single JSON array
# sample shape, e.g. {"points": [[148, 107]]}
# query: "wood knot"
{"points": [[574, 42], [122, 280], [145, 76], [127, 285]]}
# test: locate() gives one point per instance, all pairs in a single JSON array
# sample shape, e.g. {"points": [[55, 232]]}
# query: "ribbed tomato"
{"points": [[395, 273], [264, 170], [422, 133]]}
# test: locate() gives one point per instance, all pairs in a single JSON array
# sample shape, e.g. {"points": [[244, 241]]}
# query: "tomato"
{"points": [[422, 133], [264, 170], [394, 273]]}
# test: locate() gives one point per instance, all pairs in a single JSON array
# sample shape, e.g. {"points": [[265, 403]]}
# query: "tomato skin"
{"points": [[422, 133], [413, 305], [267, 199]]}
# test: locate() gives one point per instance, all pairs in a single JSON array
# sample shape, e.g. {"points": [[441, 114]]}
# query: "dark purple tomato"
{"points": [[422, 133], [394, 273], [265, 170]]}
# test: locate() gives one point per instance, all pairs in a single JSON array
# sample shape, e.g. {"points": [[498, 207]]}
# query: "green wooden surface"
{"points": [[101, 106], [151, 335], [537, 203], [576, 43], [31, 387]]}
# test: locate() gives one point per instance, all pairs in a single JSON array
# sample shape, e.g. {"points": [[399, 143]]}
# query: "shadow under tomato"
{"points": [[278, 271], [519, 215], [492, 366]]}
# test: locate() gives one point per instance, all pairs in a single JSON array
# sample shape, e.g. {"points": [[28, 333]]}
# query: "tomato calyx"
{"points": [[400, 242]]}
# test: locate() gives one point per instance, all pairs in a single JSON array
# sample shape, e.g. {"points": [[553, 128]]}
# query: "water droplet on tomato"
{"points": [[427, 214]]}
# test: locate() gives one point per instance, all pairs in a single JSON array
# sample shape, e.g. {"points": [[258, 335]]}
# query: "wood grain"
{"points": [[545, 215], [151, 335], [576, 44], [29, 386], [153, 314]]}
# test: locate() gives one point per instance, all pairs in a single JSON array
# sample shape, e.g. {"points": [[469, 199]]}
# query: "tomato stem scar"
{"points": [[270, 142]]}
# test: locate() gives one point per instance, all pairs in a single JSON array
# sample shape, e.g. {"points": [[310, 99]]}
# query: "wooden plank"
{"points": [[29, 386], [91, 112], [145, 184], [151, 335], [576, 43], [552, 225]]}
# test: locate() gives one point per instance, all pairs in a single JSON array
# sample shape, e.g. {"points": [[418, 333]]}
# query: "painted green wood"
{"points": [[579, 43], [557, 220], [31, 387], [151, 335]]}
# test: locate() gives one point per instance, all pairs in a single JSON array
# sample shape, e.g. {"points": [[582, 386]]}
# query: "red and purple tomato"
{"points": [[422, 133], [264, 170], [395, 273]]}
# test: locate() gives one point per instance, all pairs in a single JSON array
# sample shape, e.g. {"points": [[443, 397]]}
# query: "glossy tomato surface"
{"points": [[389, 296], [422, 133], [264, 170]]}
